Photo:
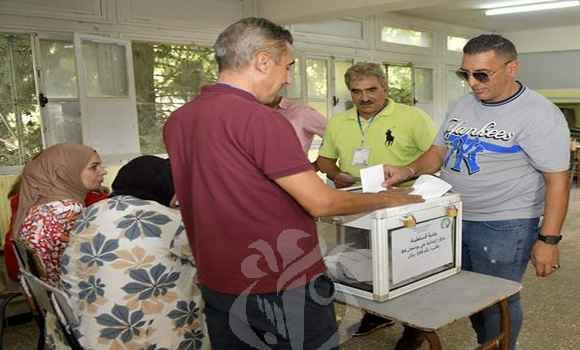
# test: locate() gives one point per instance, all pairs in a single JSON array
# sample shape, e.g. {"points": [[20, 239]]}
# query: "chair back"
{"points": [[54, 301]]}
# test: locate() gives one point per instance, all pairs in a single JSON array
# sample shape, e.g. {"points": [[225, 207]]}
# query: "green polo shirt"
{"points": [[398, 135]]}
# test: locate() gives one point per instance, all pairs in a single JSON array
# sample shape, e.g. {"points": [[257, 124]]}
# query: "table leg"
{"points": [[502, 341], [433, 339], [506, 325]]}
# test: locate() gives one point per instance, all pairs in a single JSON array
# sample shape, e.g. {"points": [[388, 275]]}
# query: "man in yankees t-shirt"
{"points": [[505, 149]]}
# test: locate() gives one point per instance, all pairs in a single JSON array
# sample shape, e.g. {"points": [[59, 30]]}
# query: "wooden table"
{"points": [[430, 308]]}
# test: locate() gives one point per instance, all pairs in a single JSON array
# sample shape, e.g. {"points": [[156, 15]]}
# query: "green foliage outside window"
{"points": [[400, 82], [20, 127], [166, 77]]}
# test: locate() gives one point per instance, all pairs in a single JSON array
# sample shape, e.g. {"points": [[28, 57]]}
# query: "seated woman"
{"points": [[128, 268], [54, 184]]}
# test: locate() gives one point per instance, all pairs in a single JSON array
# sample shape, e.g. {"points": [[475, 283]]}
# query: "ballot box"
{"points": [[389, 252]]}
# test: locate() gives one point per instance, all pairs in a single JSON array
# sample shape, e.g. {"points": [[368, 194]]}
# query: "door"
{"points": [[107, 94], [57, 89]]}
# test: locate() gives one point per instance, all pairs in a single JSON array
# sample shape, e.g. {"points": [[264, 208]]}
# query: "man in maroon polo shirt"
{"points": [[248, 196]]}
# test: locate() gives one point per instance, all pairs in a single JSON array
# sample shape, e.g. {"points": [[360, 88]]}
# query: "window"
{"points": [[317, 84], [456, 88], [455, 43], [406, 37], [294, 89], [400, 83], [20, 127], [167, 76], [343, 28]]}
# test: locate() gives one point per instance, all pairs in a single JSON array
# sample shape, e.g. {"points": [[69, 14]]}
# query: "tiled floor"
{"points": [[552, 308]]}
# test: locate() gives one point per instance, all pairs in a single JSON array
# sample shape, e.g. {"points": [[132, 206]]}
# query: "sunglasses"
{"points": [[481, 76]]}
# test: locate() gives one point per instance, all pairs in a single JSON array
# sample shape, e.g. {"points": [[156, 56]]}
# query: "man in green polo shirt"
{"points": [[377, 131]]}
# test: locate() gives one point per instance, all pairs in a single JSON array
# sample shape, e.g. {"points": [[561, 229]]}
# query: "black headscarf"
{"points": [[145, 177]]}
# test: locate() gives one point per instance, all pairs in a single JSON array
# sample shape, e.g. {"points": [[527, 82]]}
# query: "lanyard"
{"points": [[364, 131]]}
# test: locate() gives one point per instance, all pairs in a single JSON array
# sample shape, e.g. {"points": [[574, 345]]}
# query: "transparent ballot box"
{"points": [[392, 251]]}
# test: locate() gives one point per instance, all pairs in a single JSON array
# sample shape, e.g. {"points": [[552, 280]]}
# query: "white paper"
{"points": [[426, 247], [355, 265], [429, 186], [372, 179]]}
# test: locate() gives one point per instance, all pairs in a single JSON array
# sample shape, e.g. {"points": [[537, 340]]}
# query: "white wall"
{"points": [[546, 39]]}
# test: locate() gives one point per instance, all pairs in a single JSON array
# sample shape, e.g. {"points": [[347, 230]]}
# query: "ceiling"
{"points": [[470, 14], [467, 13]]}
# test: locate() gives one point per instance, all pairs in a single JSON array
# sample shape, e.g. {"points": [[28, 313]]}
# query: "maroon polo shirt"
{"points": [[247, 234]]}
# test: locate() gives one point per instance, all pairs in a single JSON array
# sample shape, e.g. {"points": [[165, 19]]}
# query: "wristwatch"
{"points": [[552, 239]]}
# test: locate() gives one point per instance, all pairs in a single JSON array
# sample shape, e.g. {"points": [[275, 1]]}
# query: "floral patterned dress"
{"points": [[130, 275], [46, 230]]}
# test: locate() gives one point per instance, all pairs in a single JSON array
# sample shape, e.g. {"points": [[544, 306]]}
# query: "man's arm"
{"points": [[320, 200], [546, 256], [428, 163], [329, 167]]}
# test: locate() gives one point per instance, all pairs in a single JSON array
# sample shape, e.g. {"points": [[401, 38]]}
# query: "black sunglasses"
{"points": [[481, 76]]}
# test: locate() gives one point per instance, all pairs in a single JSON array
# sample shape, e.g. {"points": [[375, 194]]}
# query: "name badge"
{"points": [[361, 156]]}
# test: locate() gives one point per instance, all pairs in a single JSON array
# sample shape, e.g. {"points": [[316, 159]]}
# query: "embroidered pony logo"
{"points": [[389, 138]]}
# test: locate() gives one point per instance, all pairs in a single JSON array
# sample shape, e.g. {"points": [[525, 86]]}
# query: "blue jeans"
{"points": [[502, 249]]}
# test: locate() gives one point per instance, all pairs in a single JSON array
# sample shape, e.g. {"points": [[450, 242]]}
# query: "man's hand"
{"points": [[545, 258], [396, 174], [400, 196], [343, 180]]}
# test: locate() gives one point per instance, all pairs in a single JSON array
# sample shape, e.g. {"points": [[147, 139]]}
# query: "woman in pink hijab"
{"points": [[54, 185]]}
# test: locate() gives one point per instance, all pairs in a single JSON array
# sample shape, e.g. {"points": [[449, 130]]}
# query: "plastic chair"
{"points": [[24, 265], [53, 301]]}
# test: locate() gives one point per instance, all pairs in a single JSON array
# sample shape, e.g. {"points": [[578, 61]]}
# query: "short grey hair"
{"points": [[363, 70], [491, 42], [238, 44]]}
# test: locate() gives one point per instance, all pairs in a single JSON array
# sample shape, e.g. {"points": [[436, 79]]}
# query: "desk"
{"points": [[430, 308]]}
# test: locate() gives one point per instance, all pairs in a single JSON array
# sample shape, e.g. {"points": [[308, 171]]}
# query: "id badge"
{"points": [[361, 156]]}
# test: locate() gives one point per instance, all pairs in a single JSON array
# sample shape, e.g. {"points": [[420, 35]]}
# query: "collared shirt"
{"points": [[305, 120], [226, 150], [397, 135]]}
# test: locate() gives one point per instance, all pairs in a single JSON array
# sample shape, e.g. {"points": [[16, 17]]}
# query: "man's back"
{"points": [[226, 149]]}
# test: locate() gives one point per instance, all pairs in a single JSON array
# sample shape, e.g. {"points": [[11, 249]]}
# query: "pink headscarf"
{"points": [[54, 174]]}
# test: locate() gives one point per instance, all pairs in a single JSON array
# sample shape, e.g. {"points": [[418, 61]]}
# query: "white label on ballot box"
{"points": [[420, 249]]}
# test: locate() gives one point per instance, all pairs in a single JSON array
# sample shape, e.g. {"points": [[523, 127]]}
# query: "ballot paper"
{"points": [[351, 266], [372, 179], [429, 186]]}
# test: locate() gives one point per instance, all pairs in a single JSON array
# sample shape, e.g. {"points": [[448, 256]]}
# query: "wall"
{"points": [[546, 39], [551, 70]]}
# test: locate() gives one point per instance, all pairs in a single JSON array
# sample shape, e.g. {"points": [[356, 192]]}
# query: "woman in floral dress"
{"points": [[53, 187], [128, 268]]}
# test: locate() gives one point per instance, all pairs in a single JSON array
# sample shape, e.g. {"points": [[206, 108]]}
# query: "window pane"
{"points": [[319, 106], [316, 75], [294, 90], [455, 43], [337, 27], [424, 85], [20, 131], [340, 67], [167, 76], [406, 37], [400, 84], [106, 69], [455, 88], [58, 67]]}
